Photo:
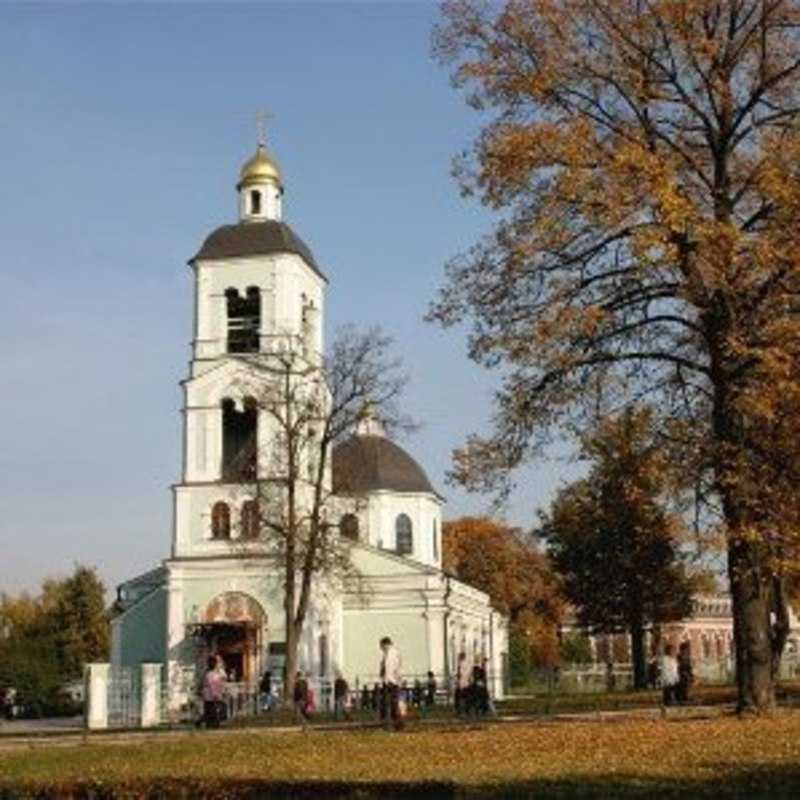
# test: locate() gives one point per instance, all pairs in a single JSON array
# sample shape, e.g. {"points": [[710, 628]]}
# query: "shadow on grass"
{"points": [[730, 784]]}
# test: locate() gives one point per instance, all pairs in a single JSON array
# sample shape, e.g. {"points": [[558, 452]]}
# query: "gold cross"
{"points": [[261, 126]]}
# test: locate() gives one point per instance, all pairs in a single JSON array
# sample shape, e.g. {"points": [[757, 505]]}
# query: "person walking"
{"points": [[340, 694], [685, 673], [463, 678], [669, 675], [430, 690], [300, 698], [366, 700], [213, 692], [390, 667], [265, 687], [480, 689]]}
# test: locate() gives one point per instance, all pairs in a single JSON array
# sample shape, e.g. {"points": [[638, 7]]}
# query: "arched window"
{"points": [[405, 534], [244, 320], [348, 527], [255, 202], [220, 521], [435, 541], [250, 520], [239, 440]]}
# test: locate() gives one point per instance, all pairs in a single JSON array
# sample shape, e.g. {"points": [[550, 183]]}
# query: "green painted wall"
{"points": [[142, 630], [364, 629]]}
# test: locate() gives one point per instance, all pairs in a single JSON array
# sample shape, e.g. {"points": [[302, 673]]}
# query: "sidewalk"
{"points": [[58, 733]]}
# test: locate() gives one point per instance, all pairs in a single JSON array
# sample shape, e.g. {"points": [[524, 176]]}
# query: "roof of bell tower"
{"points": [[255, 239]]}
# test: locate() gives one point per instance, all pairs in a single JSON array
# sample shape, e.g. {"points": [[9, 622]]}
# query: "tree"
{"points": [[80, 620], [308, 405], [614, 542], [495, 558], [46, 640], [576, 648], [645, 155]]}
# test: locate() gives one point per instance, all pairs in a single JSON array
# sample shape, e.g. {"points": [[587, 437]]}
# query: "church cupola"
{"points": [[260, 188]]}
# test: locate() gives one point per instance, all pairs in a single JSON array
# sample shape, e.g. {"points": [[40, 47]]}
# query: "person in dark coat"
{"points": [[416, 693], [430, 690], [340, 692], [685, 673], [300, 699], [479, 690]]}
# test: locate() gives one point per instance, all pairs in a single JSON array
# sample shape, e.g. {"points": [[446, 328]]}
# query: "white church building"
{"points": [[255, 284]]}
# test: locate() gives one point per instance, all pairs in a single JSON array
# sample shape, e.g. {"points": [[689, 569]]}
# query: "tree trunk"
{"points": [[638, 656], [748, 572], [290, 662], [751, 628]]}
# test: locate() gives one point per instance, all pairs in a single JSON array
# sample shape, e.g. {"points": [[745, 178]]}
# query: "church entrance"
{"points": [[234, 627], [237, 644]]}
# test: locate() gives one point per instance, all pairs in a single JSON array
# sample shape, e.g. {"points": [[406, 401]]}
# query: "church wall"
{"points": [[196, 584], [364, 629], [423, 509], [138, 633], [201, 588]]}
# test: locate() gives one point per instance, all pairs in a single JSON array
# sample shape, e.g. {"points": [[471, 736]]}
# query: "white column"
{"points": [[175, 636], [96, 677], [151, 695]]}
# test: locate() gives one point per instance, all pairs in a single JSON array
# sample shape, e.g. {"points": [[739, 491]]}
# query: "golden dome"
{"points": [[259, 168]]}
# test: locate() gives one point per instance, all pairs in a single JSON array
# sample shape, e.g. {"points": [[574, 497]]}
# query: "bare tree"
{"points": [[305, 405]]}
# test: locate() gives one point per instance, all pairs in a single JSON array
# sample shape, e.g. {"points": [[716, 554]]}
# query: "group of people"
{"points": [[676, 674], [419, 695], [390, 698], [472, 697]]}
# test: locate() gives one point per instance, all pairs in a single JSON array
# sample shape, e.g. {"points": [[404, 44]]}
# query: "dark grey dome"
{"points": [[369, 463], [255, 239]]}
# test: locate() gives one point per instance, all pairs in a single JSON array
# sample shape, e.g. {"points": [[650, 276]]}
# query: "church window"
{"points": [[348, 527], [405, 535], [435, 541], [250, 519], [239, 440], [244, 320], [255, 202], [221, 521]]}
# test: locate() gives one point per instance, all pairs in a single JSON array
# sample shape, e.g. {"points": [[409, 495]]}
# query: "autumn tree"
{"points": [[307, 404], [613, 539], [498, 560], [644, 157], [80, 618], [47, 639]]}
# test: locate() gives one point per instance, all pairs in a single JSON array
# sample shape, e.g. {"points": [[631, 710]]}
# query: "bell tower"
{"points": [[258, 292]]}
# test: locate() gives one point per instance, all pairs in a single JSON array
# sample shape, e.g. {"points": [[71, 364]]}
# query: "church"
{"points": [[255, 284]]}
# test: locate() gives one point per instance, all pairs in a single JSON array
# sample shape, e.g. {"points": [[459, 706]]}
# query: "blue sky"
{"points": [[123, 129]]}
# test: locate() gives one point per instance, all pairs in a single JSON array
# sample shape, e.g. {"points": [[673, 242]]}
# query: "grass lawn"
{"points": [[723, 758]]}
